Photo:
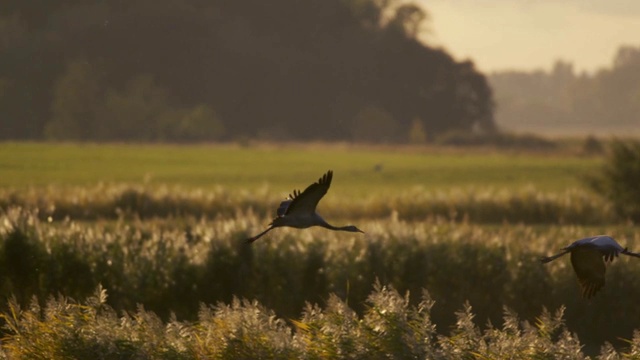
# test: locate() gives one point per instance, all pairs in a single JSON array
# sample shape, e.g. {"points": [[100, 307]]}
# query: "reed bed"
{"points": [[169, 268], [484, 205], [389, 328]]}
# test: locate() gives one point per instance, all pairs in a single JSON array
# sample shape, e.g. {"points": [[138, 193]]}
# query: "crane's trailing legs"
{"points": [[254, 238]]}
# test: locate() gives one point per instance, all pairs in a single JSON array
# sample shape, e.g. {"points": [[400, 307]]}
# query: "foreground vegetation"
{"points": [[389, 328], [172, 266]]}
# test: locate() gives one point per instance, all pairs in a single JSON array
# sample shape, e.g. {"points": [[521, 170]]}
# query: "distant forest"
{"points": [[561, 101], [208, 70]]}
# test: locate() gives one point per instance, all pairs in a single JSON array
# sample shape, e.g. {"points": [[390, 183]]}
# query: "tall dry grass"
{"points": [[479, 205], [390, 327], [172, 266]]}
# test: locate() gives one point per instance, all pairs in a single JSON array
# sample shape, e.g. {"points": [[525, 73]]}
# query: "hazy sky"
{"points": [[530, 34]]}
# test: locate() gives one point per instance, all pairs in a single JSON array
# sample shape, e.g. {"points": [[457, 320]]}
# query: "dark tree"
{"points": [[183, 70]]}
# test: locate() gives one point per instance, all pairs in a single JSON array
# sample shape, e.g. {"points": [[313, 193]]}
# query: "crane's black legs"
{"points": [[252, 239]]}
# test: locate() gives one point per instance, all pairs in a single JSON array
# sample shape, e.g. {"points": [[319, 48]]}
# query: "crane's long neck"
{"points": [[627, 252], [550, 258], [339, 228], [349, 228]]}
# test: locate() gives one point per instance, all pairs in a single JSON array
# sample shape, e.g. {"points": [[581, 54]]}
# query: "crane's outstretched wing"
{"points": [[306, 201], [588, 263], [282, 209]]}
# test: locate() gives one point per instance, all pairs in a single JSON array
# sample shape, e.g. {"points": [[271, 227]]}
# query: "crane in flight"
{"points": [[589, 257], [299, 209]]}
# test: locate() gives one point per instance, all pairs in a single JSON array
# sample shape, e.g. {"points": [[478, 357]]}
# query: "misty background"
{"points": [[331, 70]]}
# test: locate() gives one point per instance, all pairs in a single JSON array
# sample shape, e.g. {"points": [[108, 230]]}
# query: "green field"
{"points": [[287, 167]]}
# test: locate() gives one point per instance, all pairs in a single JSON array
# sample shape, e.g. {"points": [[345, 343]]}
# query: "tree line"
{"points": [[563, 100], [206, 70]]}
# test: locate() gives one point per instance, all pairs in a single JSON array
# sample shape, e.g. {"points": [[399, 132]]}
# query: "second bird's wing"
{"points": [[306, 201], [589, 266]]}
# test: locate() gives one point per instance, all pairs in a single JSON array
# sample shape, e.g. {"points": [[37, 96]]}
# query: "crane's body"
{"points": [[589, 257], [299, 209]]}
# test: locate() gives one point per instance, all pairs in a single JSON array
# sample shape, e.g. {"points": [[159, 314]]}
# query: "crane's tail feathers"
{"points": [[545, 260], [254, 238], [627, 252], [589, 290]]}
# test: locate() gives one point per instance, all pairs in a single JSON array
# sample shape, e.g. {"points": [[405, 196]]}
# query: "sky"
{"points": [[532, 34]]}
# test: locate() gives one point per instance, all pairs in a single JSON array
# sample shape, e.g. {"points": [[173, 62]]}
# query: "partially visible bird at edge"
{"points": [[299, 209], [589, 257]]}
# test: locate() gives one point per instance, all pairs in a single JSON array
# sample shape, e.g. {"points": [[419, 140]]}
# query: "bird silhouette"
{"points": [[299, 209], [589, 257]]}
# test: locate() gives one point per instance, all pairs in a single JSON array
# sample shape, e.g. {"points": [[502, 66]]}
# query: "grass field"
{"points": [[287, 167]]}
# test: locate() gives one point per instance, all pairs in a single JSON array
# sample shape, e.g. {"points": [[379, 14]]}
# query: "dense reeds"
{"points": [[477, 205], [390, 328], [172, 266]]}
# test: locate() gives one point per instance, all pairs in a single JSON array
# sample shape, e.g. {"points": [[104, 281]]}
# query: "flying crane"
{"points": [[588, 257], [299, 209]]}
